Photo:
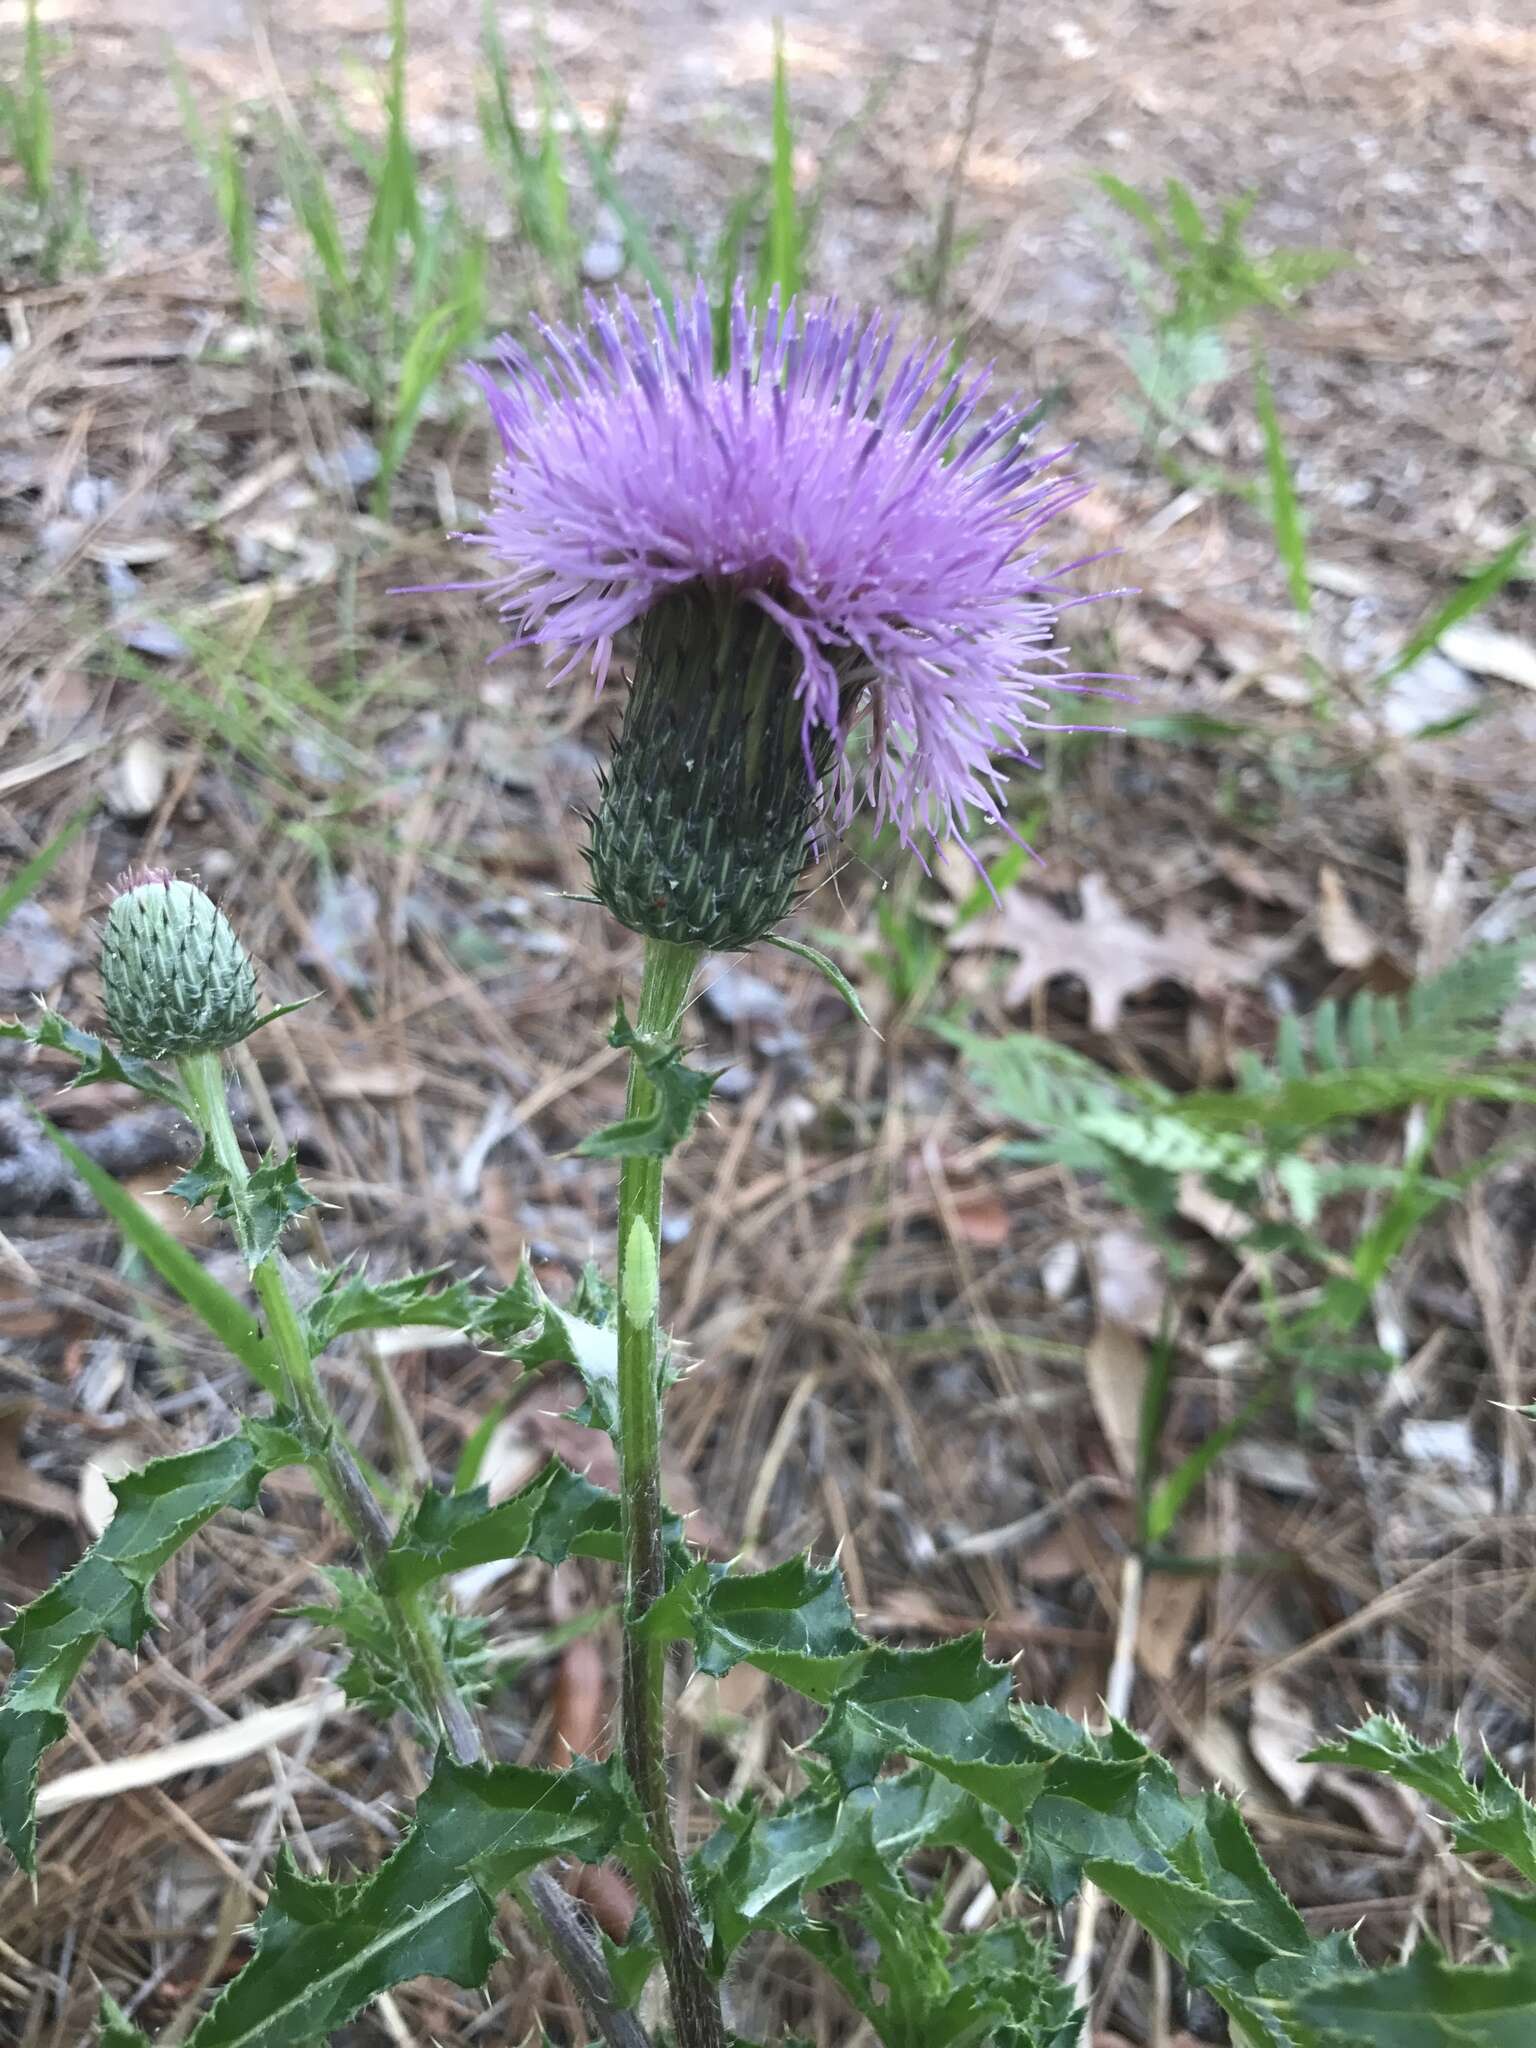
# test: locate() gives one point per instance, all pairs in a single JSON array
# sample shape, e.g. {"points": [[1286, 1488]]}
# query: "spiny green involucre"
{"points": [[175, 979]]}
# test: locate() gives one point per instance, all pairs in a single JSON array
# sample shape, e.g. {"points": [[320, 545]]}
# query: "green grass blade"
{"points": [[1168, 1499], [304, 185], [232, 197], [37, 870], [441, 336], [1284, 511], [605, 183], [508, 129], [783, 251], [397, 202], [231, 1322], [33, 120], [1479, 588]]}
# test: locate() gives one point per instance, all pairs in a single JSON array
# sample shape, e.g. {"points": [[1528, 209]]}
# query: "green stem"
{"points": [[346, 1490], [354, 1503], [696, 2014]]}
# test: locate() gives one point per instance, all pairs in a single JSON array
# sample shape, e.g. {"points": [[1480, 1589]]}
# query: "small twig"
{"points": [[1117, 1701], [944, 241]]}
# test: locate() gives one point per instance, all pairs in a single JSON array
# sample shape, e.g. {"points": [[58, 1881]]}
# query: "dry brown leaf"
{"points": [[1223, 1755], [1170, 1601], [1111, 953], [576, 1703], [1347, 939], [20, 1486], [1116, 1366], [1078, 1542], [1280, 1731], [1390, 1812], [981, 1219]]}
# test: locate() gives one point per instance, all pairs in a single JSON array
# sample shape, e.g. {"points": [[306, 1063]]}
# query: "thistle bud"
{"points": [[701, 834], [174, 977]]}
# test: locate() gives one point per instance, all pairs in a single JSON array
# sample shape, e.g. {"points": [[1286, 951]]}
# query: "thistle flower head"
{"points": [[868, 506], [174, 977]]}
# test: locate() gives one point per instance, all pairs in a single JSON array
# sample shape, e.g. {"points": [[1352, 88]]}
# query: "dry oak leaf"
{"points": [[1111, 953]]}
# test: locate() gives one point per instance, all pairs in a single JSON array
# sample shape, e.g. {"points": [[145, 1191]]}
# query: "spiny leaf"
{"points": [[97, 1061], [557, 1515], [757, 1869], [323, 1951], [947, 1707], [116, 2029], [259, 1208], [374, 1677], [1426, 2002], [792, 1621], [230, 1321], [348, 1301], [1185, 1867], [678, 1093], [104, 1596], [1494, 1818], [524, 1325]]}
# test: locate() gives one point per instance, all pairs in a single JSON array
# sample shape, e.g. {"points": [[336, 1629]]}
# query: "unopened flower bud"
{"points": [[702, 831], [174, 977]]}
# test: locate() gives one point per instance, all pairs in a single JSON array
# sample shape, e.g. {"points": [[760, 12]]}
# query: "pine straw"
{"points": [[877, 1365]]}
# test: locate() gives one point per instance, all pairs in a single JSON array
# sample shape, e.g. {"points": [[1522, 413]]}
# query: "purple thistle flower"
{"points": [[887, 527]]}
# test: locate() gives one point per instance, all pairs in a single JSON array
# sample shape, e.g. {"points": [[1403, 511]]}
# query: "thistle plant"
{"points": [[832, 565]]}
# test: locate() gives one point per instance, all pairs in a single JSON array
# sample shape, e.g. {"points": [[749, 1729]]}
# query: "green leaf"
{"points": [[557, 1515], [104, 1597], [631, 1963], [759, 1868], [1136, 204], [1494, 1818], [792, 1621], [524, 1325], [116, 2029], [947, 1707], [1185, 1867], [325, 1950], [827, 968], [1383, 1745], [374, 1677], [258, 1209], [1426, 2002], [678, 1094], [97, 1060], [231, 1322], [349, 1301]]}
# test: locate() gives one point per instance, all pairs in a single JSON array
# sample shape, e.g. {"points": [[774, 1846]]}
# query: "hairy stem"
{"points": [[696, 2014], [354, 1503]]}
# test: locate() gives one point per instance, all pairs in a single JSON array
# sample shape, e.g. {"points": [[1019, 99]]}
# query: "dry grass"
{"points": [[858, 1272]]}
